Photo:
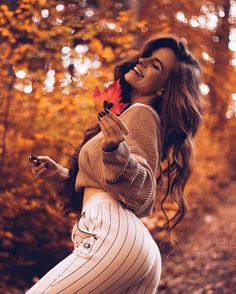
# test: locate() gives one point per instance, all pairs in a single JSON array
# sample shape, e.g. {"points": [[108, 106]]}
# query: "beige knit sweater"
{"points": [[129, 172]]}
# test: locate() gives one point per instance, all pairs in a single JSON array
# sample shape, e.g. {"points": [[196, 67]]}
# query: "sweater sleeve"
{"points": [[129, 172]]}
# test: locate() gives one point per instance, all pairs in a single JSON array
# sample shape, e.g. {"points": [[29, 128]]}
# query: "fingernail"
{"points": [[100, 114], [99, 117], [110, 106], [107, 110], [103, 113]]}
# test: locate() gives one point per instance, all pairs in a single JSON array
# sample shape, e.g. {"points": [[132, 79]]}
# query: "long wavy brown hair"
{"points": [[181, 111]]}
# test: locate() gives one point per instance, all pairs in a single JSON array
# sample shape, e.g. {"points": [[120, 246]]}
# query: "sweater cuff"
{"points": [[120, 154]]}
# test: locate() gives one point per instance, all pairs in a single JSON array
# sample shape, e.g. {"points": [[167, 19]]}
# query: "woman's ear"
{"points": [[160, 92]]}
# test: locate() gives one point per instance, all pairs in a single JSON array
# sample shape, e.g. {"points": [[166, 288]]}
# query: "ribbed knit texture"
{"points": [[129, 172]]}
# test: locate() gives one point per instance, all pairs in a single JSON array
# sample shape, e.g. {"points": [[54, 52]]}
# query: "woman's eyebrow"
{"points": [[158, 60]]}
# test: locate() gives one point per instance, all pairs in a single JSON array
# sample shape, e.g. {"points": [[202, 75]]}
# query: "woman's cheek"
{"points": [[153, 85]]}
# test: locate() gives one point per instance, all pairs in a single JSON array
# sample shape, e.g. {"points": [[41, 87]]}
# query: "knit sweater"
{"points": [[129, 172]]}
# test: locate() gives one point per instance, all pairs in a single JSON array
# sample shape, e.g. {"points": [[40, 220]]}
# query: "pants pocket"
{"points": [[85, 249], [82, 237]]}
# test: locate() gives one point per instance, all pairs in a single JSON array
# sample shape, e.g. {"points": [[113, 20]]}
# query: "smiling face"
{"points": [[150, 74]]}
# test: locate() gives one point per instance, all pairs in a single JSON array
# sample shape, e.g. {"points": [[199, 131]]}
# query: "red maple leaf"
{"points": [[109, 98]]}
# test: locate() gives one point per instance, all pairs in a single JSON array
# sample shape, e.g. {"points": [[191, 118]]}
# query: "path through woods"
{"points": [[205, 263]]}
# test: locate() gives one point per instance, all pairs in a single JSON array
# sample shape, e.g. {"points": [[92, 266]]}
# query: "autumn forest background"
{"points": [[52, 55]]}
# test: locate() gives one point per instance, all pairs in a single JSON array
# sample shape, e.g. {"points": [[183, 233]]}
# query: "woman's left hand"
{"points": [[113, 129]]}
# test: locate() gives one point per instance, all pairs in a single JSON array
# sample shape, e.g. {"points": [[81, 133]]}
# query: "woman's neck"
{"points": [[138, 98]]}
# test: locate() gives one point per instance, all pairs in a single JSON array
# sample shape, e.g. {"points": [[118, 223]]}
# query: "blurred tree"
{"points": [[222, 72]]}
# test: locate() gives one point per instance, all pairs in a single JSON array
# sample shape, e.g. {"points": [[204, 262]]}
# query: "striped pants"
{"points": [[113, 253]]}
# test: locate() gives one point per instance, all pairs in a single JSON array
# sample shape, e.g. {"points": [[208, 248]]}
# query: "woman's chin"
{"points": [[129, 78]]}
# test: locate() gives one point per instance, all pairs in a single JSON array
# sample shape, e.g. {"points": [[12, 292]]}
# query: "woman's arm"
{"points": [[129, 171], [56, 181], [129, 177]]}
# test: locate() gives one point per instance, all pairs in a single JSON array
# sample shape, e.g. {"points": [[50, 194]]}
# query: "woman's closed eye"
{"points": [[156, 67]]}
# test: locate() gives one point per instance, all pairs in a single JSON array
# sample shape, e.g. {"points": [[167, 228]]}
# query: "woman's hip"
{"points": [[106, 228]]}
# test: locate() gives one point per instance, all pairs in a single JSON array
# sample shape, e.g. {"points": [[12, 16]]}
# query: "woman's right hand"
{"points": [[48, 169]]}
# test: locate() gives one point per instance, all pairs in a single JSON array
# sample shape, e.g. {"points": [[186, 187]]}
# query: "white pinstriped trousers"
{"points": [[113, 253]]}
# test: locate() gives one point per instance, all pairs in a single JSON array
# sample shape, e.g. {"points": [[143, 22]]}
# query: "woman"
{"points": [[113, 175]]}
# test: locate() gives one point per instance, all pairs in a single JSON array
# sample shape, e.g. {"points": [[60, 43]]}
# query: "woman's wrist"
{"points": [[111, 149], [56, 181], [61, 173]]}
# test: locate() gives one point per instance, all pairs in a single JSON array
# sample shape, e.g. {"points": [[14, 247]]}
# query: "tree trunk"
{"points": [[220, 83], [6, 115], [136, 7]]}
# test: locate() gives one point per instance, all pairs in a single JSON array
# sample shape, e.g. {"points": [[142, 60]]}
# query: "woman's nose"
{"points": [[142, 61]]}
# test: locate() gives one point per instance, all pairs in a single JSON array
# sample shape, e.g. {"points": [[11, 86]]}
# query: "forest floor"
{"points": [[205, 261]]}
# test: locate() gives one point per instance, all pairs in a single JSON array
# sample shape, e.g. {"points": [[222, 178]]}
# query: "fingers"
{"points": [[108, 128], [38, 170], [39, 160], [117, 120], [115, 130], [112, 125], [105, 127], [43, 158], [42, 165], [45, 163]]}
